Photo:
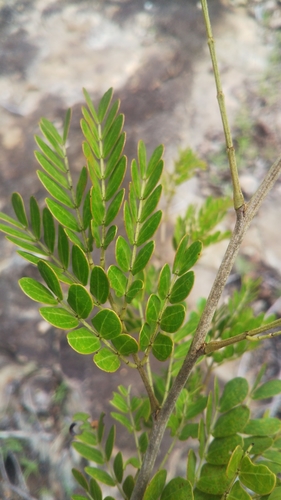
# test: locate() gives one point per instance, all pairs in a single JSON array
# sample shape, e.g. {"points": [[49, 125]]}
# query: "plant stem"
{"points": [[244, 216], [238, 198]]}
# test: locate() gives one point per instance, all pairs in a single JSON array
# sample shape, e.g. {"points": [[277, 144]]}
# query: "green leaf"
{"points": [[35, 217], [201, 438], [191, 255], [129, 225], [97, 205], [115, 155], [36, 291], [234, 462], [26, 245], [143, 442], [257, 478], [50, 128], [110, 235], [179, 257], [142, 158], [81, 185], [96, 234], [151, 203], [155, 159], [128, 486], [213, 479], [50, 138], [196, 407], [125, 344], [111, 117], [100, 475], [143, 257], [118, 280], [149, 227], [51, 169], [80, 479], [122, 420], [162, 347], [263, 426], [78, 497], [182, 287], [95, 489], [107, 324], [99, 284], [90, 133], [54, 189], [88, 452], [134, 289], [164, 281], [234, 393], [119, 402], [106, 360], [63, 247], [232, 422], [276, 494], [112, 135], [123, 253], [178, 488], [74, 238], [258, 444], [133, 202], [104, 104], [136, 178], [238, 493], [209, 412], [189, 430], [49, 153], [101, 426], [19, 209], [118, 467], [80, 265], [50, 277], [90, 105], [153, 308], [267, 390], [66, 125], [83, 341], [191, 466], [10, 220], [155, 486], [116, 178], [172, 318], [110, 442], [80, 300], [49, 230], [58, 317], [153, 179], [114, 207], [15, 232], [220, 449], [145, 335], [63, 216]]}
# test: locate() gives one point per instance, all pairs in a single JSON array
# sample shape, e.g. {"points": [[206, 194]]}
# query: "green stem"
{"points": [[237, 193], [249, 335]]}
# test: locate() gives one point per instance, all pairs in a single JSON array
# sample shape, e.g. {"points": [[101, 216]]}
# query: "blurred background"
{"points": [[156, 57]]}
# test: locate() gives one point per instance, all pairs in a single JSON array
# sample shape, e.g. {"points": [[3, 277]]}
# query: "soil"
{"points": [[155, 56]]}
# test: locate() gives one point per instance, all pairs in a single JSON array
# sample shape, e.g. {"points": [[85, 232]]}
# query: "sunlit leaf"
{"points": [[118, 280], [80, 300], [257, 478], [54, 189], [123, 253], [63, 216], [58, 317], [182, 288], [99, 284], [107, 324], [149, 227], [143, 257], [50, 277], [106, 360], [36, 291], [83, 341]]}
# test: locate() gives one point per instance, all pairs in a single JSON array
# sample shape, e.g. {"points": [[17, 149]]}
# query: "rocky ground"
{"points": [[155, 56]]}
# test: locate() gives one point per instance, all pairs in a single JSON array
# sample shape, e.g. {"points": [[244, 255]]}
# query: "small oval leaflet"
{"points": [[107, 324], [58, 317], [172, 318], [36, 291], [83, 341], [80, 300], [106, 360]]}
